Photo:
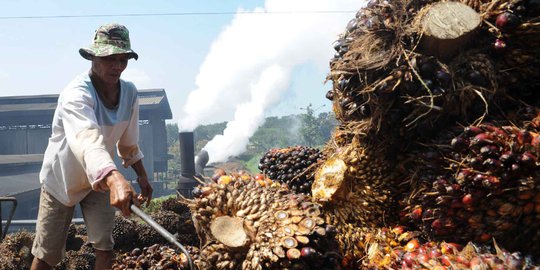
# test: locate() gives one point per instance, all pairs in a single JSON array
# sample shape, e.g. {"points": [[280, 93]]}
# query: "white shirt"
{"points": [[84, 135]]}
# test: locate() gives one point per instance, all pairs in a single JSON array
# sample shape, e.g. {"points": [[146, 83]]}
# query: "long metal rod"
{"points": [[167, 235], [13, 207]]}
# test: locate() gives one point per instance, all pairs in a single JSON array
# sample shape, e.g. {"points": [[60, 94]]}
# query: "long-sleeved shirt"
{"points": [[83, 139]]}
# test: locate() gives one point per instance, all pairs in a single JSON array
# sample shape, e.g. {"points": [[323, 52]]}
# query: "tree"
{"points": [[172, 134], [309, 128]]}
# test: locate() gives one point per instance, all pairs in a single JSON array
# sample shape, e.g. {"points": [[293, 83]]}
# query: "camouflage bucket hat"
{"points": [[109, 39]]}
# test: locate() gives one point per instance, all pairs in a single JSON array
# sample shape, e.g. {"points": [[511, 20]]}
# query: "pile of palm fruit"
{"points": [[438, 133], [137, 245], [433, 164]]}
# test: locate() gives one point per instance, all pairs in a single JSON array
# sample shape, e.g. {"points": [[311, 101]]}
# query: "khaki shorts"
{"points": [[54, 219]]}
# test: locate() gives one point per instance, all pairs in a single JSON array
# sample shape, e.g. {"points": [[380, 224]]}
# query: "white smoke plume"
{"points": [[250, 63]]}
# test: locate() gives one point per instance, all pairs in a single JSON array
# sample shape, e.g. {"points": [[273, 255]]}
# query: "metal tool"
{"points": [[167, 235], [13, 200]]}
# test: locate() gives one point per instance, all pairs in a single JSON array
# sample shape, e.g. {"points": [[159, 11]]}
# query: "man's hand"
{"points": [[146, 190], [122, 193]]}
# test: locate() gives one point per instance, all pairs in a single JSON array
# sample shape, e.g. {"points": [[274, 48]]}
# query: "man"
{"points": [[96, 112]]}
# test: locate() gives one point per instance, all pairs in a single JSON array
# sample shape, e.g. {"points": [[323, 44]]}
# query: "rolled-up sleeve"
{"points": [[128, 145], [84, 135]]}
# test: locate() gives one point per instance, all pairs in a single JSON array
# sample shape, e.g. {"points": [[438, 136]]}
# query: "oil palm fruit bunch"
{"points": [[124, 232], [244, 223], [184, 227], [356, 187], [409, 78], [83, 258], [74, 239], [293, 166], [175, 205], [483, 183], [151, 258], [15, 251]]}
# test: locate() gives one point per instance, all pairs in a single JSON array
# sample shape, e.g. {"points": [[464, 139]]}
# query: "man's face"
{"points": [[109, 68]]}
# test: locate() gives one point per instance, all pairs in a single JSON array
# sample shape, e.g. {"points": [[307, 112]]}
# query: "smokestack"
{"points": [[187, 182]]}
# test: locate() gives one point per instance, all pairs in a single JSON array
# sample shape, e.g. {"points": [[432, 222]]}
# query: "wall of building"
{"points": [[24, 141]]}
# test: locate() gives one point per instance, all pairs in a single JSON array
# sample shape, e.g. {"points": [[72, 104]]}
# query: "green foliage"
{"points": [[155, 204], [252, 165], [172, 134]]}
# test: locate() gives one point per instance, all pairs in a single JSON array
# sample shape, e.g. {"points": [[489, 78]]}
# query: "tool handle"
{"points": [[167, 235]]}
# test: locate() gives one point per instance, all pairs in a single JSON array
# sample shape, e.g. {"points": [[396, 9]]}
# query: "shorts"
{"points": [[54, 219]]}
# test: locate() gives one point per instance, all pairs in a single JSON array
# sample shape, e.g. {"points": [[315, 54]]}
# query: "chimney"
{"points": [[187, 182]]}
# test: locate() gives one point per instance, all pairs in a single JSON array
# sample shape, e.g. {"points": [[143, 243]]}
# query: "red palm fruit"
{"points": [[445, 260], [398, 230], [472, 130], [422, 258], [537, 198], [528, 208], [484, 237], [462, 260], [434, 253], [537, 208], [467, 199], [409, 258], [506, 20], [525, 195], [412, 245], [524, 137], [436, 224], [416, 213], [535, 142], [450, 248]]}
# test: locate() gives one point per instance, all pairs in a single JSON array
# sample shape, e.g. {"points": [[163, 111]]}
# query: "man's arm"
{"points": [[142, 180]]}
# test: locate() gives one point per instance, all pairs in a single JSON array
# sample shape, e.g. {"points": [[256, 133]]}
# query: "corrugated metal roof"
{"points": [[39, 109], [150, 100]]}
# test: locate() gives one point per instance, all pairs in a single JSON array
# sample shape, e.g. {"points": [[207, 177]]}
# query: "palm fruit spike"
{"points": [[293, 166], [245, 225], [489, 189]]}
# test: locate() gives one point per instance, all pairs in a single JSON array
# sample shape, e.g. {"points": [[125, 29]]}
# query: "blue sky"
{"points": [[40, 55]]}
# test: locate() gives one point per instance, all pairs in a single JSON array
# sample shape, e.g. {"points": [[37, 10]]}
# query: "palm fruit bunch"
{"points": [[175, 205], [293, 166], [152, 258], [408, 75], [124, 232], [15, 251], [80, 259], [184, 228], [74, 239], [356, 187], [483, 183], [244, 223]]}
